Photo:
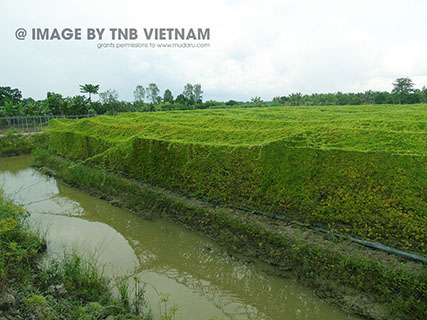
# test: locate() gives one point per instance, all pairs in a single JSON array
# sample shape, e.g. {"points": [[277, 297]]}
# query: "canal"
{"points": [[204, 279]]}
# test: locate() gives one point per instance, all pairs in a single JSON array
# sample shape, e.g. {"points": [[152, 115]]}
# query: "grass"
{"points": [[360, 170], [337, 268], [395, 129], [13, 143], [68, 288]]}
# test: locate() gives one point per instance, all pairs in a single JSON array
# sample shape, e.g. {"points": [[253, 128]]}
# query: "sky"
{"points": [[263, 48]]}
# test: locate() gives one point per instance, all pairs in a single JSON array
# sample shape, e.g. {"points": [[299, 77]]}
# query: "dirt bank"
{"points": [[369, 283]]}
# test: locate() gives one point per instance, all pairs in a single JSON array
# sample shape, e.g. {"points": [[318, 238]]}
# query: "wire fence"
{"points": [[27, 124]]}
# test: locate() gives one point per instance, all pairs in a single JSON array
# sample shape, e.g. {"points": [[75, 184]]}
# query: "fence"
{"points": [[33, 123]]}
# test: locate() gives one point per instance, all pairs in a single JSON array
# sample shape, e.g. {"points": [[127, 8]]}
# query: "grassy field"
{"points": [[361, 170]]}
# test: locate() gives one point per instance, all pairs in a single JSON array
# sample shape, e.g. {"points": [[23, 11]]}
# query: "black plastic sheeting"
{"points": [[369, 244]]}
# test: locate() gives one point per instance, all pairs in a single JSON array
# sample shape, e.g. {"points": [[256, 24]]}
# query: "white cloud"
{"points": [[258, 48]]}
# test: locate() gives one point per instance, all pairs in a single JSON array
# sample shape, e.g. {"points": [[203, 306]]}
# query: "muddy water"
{"points": [[202, 278]]}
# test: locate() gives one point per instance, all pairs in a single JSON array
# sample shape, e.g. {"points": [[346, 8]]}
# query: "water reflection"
{"points": [[202, 278]]}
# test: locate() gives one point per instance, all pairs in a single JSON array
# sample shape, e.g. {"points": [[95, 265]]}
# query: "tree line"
{"points": [[403, 93], [149, 98], [145, 99]]}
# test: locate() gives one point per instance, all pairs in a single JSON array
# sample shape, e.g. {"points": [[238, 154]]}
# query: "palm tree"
{"points": [[89, 88]]}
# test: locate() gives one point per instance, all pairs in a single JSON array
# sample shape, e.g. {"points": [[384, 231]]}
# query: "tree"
{"points": [[9, 94], [167, 96], [295, 99], [77, 105], [55, 103], [402, 88], [231, 103], [180, 99], [188, 93], [109, 96], [380, 97], [368, 97], [197, 91], [139, 93], [424, 94], [110, 99], [415, 97], [256, 100], [153, 92], [8, 109], [89, 88]]}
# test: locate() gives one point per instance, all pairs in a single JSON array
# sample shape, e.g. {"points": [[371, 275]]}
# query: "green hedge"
{"points": [[324, 264], [294, 171]]}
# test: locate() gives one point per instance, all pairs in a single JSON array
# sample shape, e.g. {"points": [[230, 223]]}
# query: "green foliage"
{"points": [[403, 87], [12, 143], [89, 88], [152, 93], [55, 102], [139, 93], [231, 103], [197, 90], [167, 96], [108, 97], [256, 101], [192, 95], [360, 170], [19, 248], [77, 105], [7, 94], [110, 102], [400, 285], [182, 100], [188, 93], [403, 92], [12, 104], [68, 288]]}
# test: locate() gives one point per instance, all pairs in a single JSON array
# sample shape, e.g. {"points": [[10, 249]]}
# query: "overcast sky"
{"points": [[257, 48]]}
